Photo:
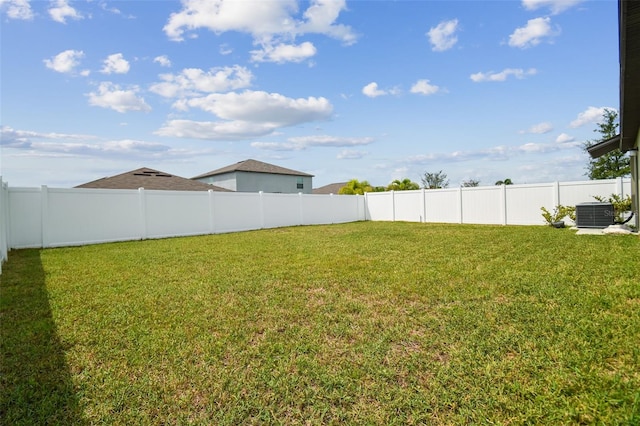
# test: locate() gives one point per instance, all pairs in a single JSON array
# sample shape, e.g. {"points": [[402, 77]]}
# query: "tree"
{"points": [[434, 180], [402, 185], [470, 183], [507, 181], [612, 164], [354, 186]]}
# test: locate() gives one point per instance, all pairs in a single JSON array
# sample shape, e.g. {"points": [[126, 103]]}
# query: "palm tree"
{"points": [[507, 181], [402, 185], [354, 186]]}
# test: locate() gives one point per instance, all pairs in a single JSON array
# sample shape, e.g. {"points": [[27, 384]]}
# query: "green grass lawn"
{"points": [[362, 323]]}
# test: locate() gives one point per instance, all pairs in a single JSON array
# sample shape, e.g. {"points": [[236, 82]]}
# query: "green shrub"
{"points": [[559, 213], [620, 204]]}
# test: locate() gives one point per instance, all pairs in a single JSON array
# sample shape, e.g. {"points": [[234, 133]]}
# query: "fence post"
{"points": [[300, 201], [44, 215], [261, 201], [503, 200], [212, 222], [555, 187], [333, 209], [393, 205], [366, 206], [423, 212], [460, 217], [142, 209]]}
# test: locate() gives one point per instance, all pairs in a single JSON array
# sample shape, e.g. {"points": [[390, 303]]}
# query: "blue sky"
{"points": [[375, 90]]}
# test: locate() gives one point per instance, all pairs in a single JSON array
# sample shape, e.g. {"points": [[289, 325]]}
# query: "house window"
{"points": [[300, 184]]}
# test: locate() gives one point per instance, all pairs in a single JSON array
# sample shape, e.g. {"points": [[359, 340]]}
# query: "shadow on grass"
{"points": [[35, 381]]}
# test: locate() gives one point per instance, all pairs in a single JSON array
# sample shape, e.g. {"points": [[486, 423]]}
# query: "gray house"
{"points": [[256, 176], [150, 179]]}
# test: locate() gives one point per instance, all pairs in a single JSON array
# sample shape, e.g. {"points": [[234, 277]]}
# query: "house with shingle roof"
{"points": [[332, 188], [255, 176], [150, 179]]}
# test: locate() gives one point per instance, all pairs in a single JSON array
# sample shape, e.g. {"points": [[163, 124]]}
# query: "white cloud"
{"points": [[225, 49], [75, 145], [284, 53], [61, 10], [564, 138], [556, 6], [264, 20], [371, 90], [442, 37], [320, 19], [24, 138], [349, 154], [246, 115], [194, 81], [110, 95], [17, 9], [304, 142], [539, 128], [163, 60], [591, 115], [115, 64], [64, 62], [277, 146], [532, 34], [325, 140], [423, 87], [263, 107], [495, 153], [212, 130], [518, 73]]}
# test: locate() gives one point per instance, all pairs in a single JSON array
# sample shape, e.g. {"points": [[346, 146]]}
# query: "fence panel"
{"points": [[25, 218], [379, 206], [442, 205], [483, 205], [318, 209], [408, 206], [523, 203], [572, 193], [87, 216], [172, 213], [236, 211], [345, 208], [281, 210]]}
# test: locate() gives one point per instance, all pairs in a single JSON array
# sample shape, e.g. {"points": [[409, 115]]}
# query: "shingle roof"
{"points": [[254, 166], [332, 188], [150, 179]]}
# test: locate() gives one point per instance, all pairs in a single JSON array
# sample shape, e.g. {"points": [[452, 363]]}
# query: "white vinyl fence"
{"points": [[48, 217], [52, 217], [498, 205]]}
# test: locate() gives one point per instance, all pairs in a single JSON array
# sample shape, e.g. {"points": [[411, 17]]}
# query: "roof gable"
{"points": [[150, 179], [253, 166]]}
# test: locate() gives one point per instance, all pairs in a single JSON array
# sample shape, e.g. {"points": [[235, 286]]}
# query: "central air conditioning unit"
{"points": [[594, 215]]}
